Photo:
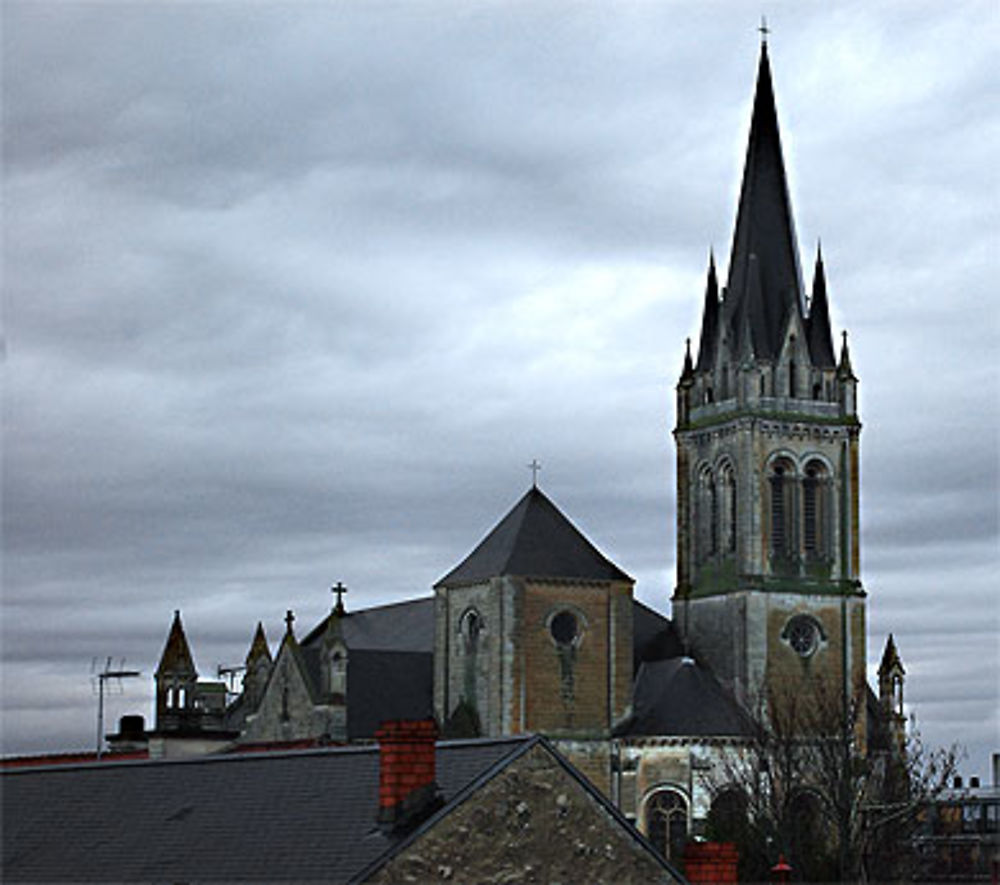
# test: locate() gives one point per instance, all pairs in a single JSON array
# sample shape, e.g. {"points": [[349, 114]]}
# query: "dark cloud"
{"points": [[294, 292]]}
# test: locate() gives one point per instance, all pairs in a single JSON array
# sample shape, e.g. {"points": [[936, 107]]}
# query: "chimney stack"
{"points": [[407, 790]]}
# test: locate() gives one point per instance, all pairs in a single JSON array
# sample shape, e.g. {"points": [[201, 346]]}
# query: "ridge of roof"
{"points": [[765, 230], [534, 540], [356, 616]]}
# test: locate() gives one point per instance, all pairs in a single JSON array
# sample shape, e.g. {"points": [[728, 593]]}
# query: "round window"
{"points": [[803, 636], [564, 628]]}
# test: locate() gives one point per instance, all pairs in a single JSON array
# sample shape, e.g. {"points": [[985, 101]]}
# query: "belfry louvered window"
{"points": [[782, 509], [815, 529]]}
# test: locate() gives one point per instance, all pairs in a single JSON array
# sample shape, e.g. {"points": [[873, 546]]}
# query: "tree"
{"points": [[825, 781]]}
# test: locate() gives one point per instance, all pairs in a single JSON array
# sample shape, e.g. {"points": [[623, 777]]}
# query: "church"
{"points": [[535, 631]]}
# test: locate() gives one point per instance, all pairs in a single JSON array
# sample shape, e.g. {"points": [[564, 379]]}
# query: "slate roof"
{"points": [[306, 816], [677, 697], [400, 626], [654, 637], [380, 685], [534, 540]]}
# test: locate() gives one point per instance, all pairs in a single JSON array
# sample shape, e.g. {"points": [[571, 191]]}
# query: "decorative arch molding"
{"points": [[665, 813]]}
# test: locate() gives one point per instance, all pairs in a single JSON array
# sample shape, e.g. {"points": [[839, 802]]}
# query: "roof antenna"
{"points": [[102, 678], [534, 467], [764, 31]]}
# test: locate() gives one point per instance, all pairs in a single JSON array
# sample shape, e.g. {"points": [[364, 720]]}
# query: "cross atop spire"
{"points": [[764, 31], [534, 467], [289, 620], [340, 590]]}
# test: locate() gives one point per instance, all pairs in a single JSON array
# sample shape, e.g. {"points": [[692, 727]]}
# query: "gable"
{"points": [[288, 708], [531, 819]]}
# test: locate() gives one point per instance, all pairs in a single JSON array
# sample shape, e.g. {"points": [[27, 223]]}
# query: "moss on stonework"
{"points": [[718, 576], [804, 586], [788, 417]]}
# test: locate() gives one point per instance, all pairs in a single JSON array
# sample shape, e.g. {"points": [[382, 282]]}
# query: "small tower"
{"points": [[890, 692], [768, 587], [533, 631], [176, 683]]}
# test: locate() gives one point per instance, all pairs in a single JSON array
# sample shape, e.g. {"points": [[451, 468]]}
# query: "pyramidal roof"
{"points": [[534, 540], [765, 279], [176, 657]]}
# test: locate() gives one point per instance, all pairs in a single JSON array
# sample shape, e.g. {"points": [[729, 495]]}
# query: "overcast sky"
{"points": [[294, 292]]}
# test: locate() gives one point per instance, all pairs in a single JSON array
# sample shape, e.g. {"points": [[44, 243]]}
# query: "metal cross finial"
{"points": [[340, 590], [289, 619], [534, 467], [764, 30]]}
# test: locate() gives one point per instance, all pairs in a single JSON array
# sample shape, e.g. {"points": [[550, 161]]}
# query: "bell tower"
{"points": [[768, 574]]}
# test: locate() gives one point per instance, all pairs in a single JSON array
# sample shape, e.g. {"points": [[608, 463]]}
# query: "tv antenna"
{"points": [[233, 677], [106, 675]]}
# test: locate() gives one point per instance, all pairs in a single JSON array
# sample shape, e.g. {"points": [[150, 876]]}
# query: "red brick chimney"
{"points": [[407, 791]]}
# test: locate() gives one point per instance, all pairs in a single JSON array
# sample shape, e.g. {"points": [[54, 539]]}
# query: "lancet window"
{"points": [[666, 820]]}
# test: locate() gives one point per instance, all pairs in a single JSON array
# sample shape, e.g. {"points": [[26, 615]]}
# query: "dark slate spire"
{"points": [[688, 369], [764, 230], [709, 319], [176, 657], [820, 339], [534, 540], [844, 370]]}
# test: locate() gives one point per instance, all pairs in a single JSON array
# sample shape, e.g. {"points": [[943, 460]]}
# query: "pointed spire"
{"points": [[818, 327], [890, 658], [688, 369], [764, 228], [709, 319], [844, 370], [176, 657], [258, 648]]}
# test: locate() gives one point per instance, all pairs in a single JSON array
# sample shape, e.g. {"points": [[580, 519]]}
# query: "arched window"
{"points": [[791, 378], [815, 507], [782, 488], [727, 509], [666, 821], [338, 672], [706, 516], [471, 627]]}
